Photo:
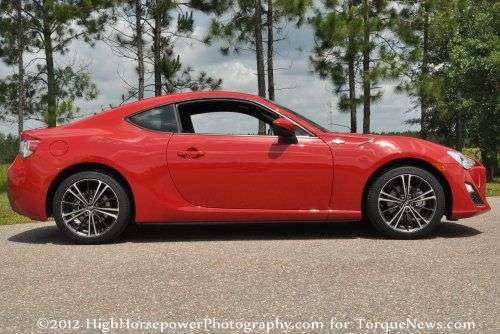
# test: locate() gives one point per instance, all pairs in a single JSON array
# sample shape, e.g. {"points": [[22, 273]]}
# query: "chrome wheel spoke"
{"points": [[398, 214], [73, 212], [88, 228], [70, 203], [404, 186], [389, 196], [391, 208], [81, 198], [78, 197], [408, 192], [389, 200], [414, 216], [421, 196], [96, 191], [419, 215], [98, 196], [106, 209], [107, 213], [74, 217], [423, 199]]}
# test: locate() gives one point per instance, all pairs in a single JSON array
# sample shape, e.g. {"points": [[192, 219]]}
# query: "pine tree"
{"points": [[279, 12], [378, 18], [177, 78], [337, 31], [12, 49], [244, 28], [243, 31], [412, 58], [160, 18], [52, 25]]}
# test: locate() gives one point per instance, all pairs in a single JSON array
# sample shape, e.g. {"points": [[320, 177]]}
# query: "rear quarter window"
{"points": [[157, 119]]}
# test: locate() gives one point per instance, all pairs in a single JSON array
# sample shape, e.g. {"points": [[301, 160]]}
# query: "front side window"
{"points": [[227, 117], [157, 119], [228, 123]]}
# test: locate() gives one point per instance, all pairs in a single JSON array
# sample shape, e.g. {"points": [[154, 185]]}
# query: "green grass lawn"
{"points": [[7, 216]]}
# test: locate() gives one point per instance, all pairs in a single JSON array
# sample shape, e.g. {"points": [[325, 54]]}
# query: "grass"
{"points": [[7, 216], [3, 178], [493, 188]]}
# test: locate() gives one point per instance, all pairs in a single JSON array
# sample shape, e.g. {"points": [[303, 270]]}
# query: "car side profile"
{"points": [[227, 156]]}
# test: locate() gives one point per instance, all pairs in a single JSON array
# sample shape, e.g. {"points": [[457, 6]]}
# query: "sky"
{"points": [[297, 87]]}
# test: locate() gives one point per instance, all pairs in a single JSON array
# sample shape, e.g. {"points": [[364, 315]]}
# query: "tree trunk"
{"points": [[270, 50], [21, 102], [424, 71], [259, 51], [140, 47], [489, 159], [352, 74], [157, 51], [366, 68], [459, 131], [51, 116]]}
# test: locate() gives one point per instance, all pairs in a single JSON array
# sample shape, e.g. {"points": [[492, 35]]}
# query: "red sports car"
{"points": [[225, 156]]}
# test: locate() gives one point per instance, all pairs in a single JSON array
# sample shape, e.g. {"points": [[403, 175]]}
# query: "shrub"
{"points": [[9, 146], [473, 152]]}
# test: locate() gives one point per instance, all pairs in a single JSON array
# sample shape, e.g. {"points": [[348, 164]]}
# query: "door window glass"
{"points": [[229, 123]]}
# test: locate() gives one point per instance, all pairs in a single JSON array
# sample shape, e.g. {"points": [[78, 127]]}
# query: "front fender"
{"points": [[359, 158]]}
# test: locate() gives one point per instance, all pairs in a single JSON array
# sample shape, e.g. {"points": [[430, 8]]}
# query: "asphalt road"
{"points": [[252, 273]]}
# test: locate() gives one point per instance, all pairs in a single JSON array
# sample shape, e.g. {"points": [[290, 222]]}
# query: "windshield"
{"points": [[322, 128]]}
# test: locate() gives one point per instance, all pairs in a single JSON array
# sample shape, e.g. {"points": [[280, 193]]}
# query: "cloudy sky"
{"points": [[296, 86]]}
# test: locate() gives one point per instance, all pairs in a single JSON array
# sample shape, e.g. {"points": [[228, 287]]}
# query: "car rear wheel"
{"points": [[405, 202], [91, 207]]}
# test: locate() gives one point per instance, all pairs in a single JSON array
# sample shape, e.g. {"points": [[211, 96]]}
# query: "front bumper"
{"points": [[463, 205]]}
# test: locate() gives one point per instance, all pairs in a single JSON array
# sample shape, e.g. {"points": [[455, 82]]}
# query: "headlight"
{"points": [[462, 159]]}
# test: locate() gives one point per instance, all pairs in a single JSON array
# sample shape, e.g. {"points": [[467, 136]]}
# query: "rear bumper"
{"points": [[26, 190], [462, 204]]}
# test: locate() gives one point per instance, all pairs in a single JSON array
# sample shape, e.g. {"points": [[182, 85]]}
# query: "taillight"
{"points": [[27, 147]]}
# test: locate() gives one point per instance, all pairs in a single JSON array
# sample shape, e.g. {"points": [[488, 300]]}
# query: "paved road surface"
{"points": [[252, 272]]}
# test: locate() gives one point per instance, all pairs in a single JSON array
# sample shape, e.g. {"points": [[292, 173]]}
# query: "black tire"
{"points": [[123, 205], [376, 217]]}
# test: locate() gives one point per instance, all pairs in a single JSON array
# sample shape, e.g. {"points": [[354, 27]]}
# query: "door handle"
{"points": [[190, 154]]}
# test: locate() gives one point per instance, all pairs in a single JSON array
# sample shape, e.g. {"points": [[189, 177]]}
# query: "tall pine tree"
{"points": [[336, 55], [52, 26]]}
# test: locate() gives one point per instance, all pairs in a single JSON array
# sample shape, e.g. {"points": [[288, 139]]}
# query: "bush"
{"points": [[9, 146], [472, 152], [3, 178]]}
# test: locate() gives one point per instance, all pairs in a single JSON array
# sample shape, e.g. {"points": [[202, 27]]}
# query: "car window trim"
{"points": [[311, 135]]}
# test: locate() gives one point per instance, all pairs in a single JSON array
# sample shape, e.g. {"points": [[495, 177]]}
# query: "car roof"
{"points": [[151, 102]]}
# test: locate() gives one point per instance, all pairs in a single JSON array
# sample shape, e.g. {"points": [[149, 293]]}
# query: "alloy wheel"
{"points": [[89, 207], [407, 203]]}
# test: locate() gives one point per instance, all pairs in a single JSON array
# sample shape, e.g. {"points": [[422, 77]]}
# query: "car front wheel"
{"points": [[405, 202], [91, 207]]}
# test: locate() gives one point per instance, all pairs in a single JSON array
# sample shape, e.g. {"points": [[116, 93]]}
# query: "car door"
{"points": [[234, 168]]}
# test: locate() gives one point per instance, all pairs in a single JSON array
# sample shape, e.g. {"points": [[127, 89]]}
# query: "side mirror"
{"points": [[285, 129]]}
